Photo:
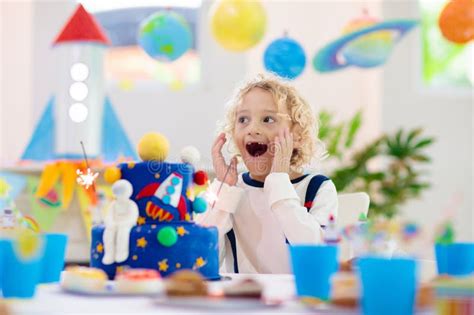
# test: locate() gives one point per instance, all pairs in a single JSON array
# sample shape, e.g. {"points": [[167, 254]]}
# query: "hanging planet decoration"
{"points": [[165, 36], [238, 25], [366, 43], [456, 21], [112, 174], [199, 205], [167, 236], [369, 50], [285, 57]]}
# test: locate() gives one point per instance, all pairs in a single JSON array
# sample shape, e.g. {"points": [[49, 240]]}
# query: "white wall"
{"points": [[186, 117], [446, 114], [16, 85]]}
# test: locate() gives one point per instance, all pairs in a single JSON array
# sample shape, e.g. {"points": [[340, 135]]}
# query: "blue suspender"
{"points": [[233, 246], [313, 187]]}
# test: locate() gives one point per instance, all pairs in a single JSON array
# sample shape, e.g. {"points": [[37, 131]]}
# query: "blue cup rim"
{"points": [[456, 244], [312, 246], [383, 258], [54, 234]]}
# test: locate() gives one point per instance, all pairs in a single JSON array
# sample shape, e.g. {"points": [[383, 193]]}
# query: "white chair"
{"points": [[351, 205]]}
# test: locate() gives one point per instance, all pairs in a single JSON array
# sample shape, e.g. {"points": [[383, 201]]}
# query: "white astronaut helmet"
{"points": [[122, 189]]}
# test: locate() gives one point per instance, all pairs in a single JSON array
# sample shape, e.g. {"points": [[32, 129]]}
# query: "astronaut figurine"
{"points": [[120, 219]]}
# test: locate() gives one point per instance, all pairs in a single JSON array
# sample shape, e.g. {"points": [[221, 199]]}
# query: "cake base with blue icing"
{"points": [[195, 248], [153, 207]]}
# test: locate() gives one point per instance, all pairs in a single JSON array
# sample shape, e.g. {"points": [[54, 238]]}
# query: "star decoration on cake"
{"points": [[178, 265], [190, 194], [141, 220], [134, 257], [163, 265], [99, 248], [86, 179], [199, 263], [180, 230], [119, 269], [141, 242], [130, 165]]}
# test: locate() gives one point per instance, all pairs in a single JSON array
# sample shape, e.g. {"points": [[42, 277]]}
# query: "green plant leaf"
{"points": [[398, 138], [378, 176], [413, 134], [420, 158], [354, 126], [324, 125], [423, 143], [335, 140]]}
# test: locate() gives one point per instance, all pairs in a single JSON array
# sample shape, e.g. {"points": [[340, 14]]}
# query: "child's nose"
{"points": [[254, 129]]}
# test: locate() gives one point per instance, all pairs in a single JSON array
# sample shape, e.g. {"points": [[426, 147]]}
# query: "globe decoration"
{"points": [[167, 236], [238, 25], [285, 57], [165, 36], [365, 43]]}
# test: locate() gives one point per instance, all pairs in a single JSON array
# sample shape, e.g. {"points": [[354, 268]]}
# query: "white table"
{"points": [[51, 300]]}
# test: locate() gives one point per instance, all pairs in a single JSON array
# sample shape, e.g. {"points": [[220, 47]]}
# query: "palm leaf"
{"points": [[413, 134], [324, 125], [354, 126], [423, 143], [420, 158], [335, 140], [398, 138]]}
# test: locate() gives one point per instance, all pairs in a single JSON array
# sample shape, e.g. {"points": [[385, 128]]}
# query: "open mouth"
{"points": [[256, 149]]}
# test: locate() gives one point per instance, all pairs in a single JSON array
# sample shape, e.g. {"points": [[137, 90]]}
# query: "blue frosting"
{"points": [[196, 249]]}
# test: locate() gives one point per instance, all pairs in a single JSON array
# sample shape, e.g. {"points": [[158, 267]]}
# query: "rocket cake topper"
{"points": [[79, 109]]}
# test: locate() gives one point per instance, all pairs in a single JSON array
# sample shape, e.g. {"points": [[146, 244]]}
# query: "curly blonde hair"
{"points": [[311, 147]]}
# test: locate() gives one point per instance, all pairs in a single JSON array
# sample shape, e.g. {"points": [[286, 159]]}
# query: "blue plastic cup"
{"points": [[388, 285], [53, 258], [313, 266], [21, 273], [456, 259], [2, 253]]}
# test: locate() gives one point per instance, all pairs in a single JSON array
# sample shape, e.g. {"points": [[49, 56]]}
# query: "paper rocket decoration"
{"points": [[82, 27], [79, 109]]}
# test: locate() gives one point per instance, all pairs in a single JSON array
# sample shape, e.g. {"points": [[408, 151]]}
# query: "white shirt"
{"points": [[263, 218]]}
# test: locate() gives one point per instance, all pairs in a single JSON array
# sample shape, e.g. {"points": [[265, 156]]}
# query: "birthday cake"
{"points": [[149, 224]]}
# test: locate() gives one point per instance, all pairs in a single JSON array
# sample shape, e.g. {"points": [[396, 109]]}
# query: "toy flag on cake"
{"points": [[79, 109]]}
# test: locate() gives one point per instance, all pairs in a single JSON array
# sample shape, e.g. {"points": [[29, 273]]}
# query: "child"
{"points": [[274, 204]]}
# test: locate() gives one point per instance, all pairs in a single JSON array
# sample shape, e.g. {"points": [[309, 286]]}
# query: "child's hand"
{"points": [[220, 165], [283, 152]]}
